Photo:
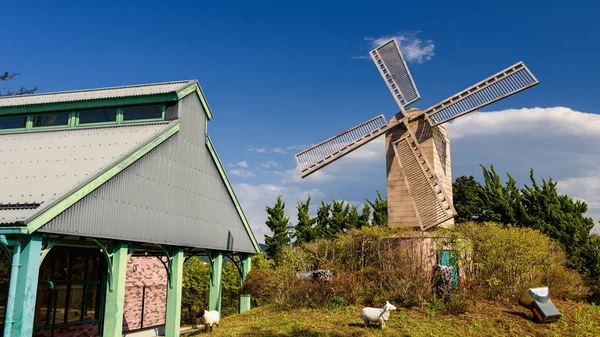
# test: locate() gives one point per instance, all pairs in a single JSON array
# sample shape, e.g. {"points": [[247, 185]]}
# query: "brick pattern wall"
{"points": [[151, 274], [79, 330]]}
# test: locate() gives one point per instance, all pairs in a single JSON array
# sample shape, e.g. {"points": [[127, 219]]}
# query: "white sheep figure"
{"points": [[377, 314], [209, 318]]}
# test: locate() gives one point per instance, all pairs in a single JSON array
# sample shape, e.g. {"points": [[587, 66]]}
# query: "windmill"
{"points": [[419, 177]]}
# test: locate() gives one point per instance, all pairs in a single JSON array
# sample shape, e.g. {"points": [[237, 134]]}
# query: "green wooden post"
{"points": [[216, 269], [173, 320], [24, 309], [245, 269], [115, 297]]}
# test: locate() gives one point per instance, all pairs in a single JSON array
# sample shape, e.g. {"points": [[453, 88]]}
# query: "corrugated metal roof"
{"points": [[43, 166], [94, 94]]}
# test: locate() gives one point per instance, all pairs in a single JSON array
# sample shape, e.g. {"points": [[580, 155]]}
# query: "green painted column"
{"points": [[245, 269], [216, 271], [175, 284], [115, 297], [24, 309]]}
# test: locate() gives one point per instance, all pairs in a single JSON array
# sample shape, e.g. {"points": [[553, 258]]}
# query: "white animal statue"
{"points": [[377, 314], [209, 318]]}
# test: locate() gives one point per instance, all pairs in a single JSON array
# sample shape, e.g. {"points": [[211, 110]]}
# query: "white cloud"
{"points": [[242, 173], [556, 142], [556, 121], [278, 150], [270, 164], [412, 46], [242, 164], [257, 149]]}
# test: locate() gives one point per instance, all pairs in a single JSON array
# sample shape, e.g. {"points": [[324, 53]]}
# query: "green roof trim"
{"points": [[196, 88], [41, 219], [94, 103], [219, 165]]}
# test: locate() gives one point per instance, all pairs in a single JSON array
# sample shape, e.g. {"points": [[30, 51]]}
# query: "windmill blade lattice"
{"points": [[334, 148], [494, 88], [430, 200], [395, 73]]}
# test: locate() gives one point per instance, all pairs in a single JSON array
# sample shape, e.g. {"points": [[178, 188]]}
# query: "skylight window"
{"points": [[13, 122], [98, 116], [57, 119], [143, 112]]}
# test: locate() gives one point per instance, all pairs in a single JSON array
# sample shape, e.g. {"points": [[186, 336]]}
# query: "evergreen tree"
{"points": [[339, 217], [304, 229], [365, 216], [353, 220], [468, 196], [538, 207], [277, 222], [22, 91], [322, 228], [380, 214]]}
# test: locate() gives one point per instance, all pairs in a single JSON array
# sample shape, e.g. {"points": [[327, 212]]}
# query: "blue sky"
{"points": [[283, 75]]}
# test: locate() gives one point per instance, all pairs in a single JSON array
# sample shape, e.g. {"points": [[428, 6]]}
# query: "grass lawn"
{"points": [[482, 319]]}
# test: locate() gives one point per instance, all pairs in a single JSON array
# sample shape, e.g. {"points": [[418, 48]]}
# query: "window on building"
{"points": [[143, 112], [13, 122], [56, 119], [76, 278], [98, 116]]}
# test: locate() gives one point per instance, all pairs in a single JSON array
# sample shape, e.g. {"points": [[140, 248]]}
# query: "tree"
{"points": [[304, 228], [22, 91], [339, 217], [380, 207], [353, 220], [468, 196], [323, 220], [277, 221], [365, 216], [539, 207]]}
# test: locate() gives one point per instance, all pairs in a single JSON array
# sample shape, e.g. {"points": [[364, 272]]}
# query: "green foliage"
{"points": [[304, 228], [339, 217], [505, 261], [195, 290], [468, 196], [323, 221], [353, 219], [379, 206], [22, 90], [538, 207], [196, 278], [365, 216], [277, 222]]}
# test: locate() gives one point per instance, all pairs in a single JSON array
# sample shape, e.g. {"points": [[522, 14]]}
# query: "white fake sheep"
{"points": [[377, 314], [209, 318]]}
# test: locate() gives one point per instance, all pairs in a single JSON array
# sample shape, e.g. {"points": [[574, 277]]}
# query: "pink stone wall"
{"points": [[151, 274]]}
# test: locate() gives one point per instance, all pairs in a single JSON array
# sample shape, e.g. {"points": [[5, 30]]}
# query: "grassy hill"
{"points": [[482, 319]]}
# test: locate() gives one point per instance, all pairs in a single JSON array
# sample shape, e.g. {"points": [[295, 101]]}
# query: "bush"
{"points": [[264, 284], [506, 261]]}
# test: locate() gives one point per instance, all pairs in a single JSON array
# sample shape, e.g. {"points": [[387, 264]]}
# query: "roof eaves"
{"points": [[238, 207], [47, 213], [194, 86]]}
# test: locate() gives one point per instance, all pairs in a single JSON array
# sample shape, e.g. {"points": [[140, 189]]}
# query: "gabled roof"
{"points": [[93, 98], [39, 169]]}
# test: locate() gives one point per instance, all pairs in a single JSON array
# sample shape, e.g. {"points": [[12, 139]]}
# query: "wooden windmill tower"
{"points": [[419, 178]]}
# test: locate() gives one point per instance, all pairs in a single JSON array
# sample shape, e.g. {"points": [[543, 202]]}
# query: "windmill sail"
{"points": [[395, 73], [325, 153], [431, 203], [494, 88]]}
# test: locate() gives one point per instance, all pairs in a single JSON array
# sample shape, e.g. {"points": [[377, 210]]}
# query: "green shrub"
{"points": [[505, 261]]}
